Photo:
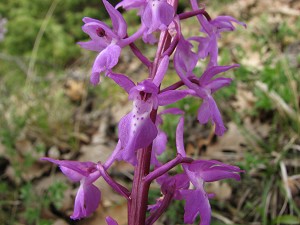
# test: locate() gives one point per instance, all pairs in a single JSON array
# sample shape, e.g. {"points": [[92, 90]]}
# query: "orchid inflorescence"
{"points": [[141, 140]]}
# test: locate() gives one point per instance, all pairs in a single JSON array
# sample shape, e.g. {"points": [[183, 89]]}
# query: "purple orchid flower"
{"points": [[136, 129], [104, 40], [88, 195], [199, 172], [155, 15], [197, 200], [204, 86], [208, 46]]}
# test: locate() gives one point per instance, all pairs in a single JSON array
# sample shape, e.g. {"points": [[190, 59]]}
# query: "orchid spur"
{"points": [[140, 136]]}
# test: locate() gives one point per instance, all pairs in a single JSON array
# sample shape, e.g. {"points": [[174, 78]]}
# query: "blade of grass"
{"points": [[33, 57]]}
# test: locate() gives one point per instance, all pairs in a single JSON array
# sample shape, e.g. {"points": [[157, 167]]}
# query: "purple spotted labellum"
{"points": [[136, 129]]}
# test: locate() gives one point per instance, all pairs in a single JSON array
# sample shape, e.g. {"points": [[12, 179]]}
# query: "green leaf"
{"points": [[287, 219]]}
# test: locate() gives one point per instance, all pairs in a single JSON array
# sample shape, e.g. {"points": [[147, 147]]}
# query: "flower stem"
{"points": [[140, 55], [139, 195], [166, 167], [116, 186], [164, 205], [186, 15], [138, 203]]}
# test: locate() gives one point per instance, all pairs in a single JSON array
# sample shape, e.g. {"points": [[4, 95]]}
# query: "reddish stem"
{"points": [[140, 55], [137, 206], [139, 195], [186, 15]]}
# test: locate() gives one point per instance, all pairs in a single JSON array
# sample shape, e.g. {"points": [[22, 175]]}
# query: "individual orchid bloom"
{"points": [[136, 129], [104, 40], [155, 15], [197, 200], [88, 195], [199, 172], [208, 46], [204, 86]]}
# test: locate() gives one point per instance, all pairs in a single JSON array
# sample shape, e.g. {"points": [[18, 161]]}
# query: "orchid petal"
{"points": [[218, 83], [215, 174], [122, 80], [179, 138], [159, 145], [110, 221], [212, 170], [149, 38], [213, 50], [196, 203], [74, 170], [129, 4], [86, 201], [224, 23], [203, 49], [212, 71], [161, 71], [135, 132], [209, 110], [99, 31], [186, 58], [118, 21], [204, 113], [169, 97], [106, 60], [181, 181], [157, 15], [93, 45]]}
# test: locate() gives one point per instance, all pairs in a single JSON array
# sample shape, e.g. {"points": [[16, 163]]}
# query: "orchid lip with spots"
{"points": [[141, 138]]}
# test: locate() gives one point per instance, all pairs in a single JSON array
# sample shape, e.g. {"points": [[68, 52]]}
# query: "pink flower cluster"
{"points": [[141, 139]]}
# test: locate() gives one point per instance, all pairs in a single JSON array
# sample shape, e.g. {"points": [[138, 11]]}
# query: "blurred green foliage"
{"points": [[57, 47]]}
